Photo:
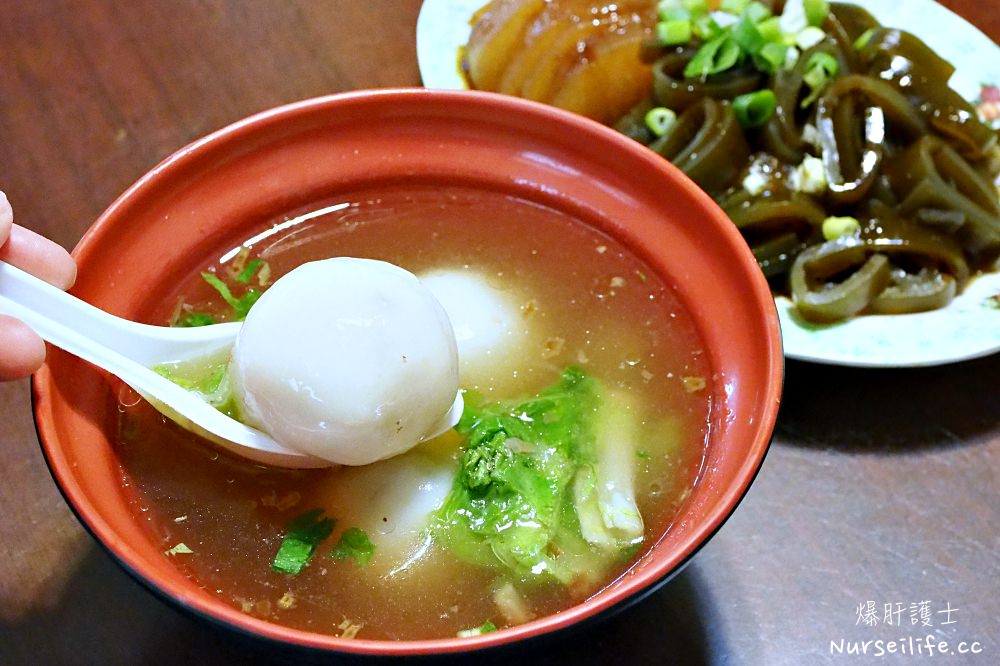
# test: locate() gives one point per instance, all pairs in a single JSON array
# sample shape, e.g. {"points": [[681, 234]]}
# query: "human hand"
{"points": [[21, 350]]}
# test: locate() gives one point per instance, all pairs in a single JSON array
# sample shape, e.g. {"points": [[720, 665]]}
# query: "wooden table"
{"points": [[881, 486]]}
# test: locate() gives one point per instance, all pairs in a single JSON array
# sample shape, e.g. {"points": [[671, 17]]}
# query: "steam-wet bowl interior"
{"points": [[290, 157]]}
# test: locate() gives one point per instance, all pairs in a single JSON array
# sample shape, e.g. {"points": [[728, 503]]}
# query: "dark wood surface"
{"points": [[880, 486]]}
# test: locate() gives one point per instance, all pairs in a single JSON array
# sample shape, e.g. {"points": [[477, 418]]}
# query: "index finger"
{"points": [[32, 252]]}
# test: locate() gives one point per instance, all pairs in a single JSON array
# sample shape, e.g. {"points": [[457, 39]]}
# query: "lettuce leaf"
{"points": [[240, 304], [485, 628], [207, 375], [193, 319], [512, 502]]}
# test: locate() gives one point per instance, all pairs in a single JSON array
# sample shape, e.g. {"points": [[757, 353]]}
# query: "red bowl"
{"points": [[288, 157]]}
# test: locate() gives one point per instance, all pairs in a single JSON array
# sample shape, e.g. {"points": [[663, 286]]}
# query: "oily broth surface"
{"points": [[583, 300]]}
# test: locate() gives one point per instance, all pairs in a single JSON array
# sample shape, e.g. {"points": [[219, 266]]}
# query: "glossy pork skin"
{"points": [[579, 55]]}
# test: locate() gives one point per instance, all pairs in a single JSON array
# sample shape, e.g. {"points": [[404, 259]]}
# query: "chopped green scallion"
{"points": [[820, 68], [354, 544], [715, 56], [660, 120], [808, 37], [816, 11], [757, 11], [705, 28], [865, 37], [695, 6], [823, 62], [674, 13], [835, 227], [304, 533], [771, 57], [734, 7], [673, 33], [754, 109], [746, 34], [770, 29]]}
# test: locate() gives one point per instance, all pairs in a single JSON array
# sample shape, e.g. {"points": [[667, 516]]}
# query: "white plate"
{"points": [[968, 328]]}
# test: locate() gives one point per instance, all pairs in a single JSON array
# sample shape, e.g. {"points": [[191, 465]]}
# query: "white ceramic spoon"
{"points": [[129, 350]]}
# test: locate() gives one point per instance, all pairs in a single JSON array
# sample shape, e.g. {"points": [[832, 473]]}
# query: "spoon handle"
{"points": [[91, 333], [68, 322]]}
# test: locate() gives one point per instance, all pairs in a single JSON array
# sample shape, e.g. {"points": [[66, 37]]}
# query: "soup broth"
{"points": [[582, 300]]}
